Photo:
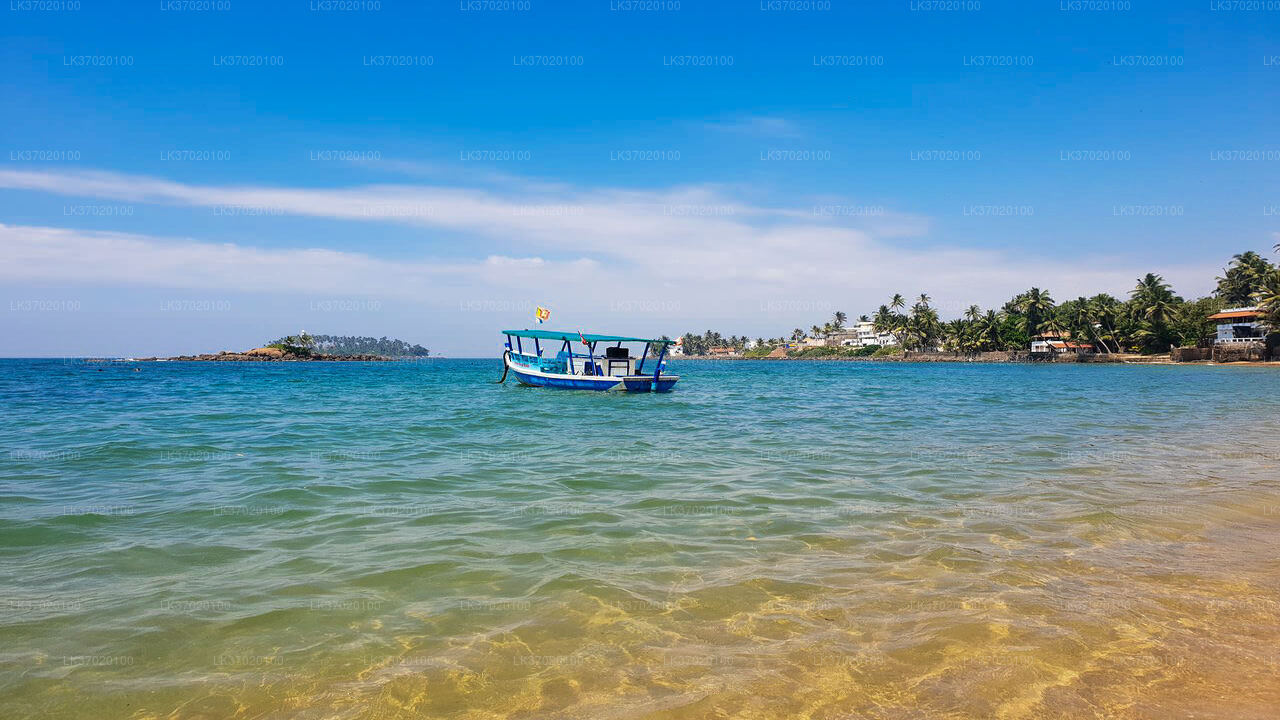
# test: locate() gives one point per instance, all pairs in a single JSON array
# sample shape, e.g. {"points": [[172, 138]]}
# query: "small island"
{"points": [[313, 348]]}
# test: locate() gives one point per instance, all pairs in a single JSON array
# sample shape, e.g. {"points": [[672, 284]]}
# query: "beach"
{"points": [[799, 539]]}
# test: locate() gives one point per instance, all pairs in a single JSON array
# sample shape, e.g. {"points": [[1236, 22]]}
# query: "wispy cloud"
{"points": [[707, 253], [61, 255]]}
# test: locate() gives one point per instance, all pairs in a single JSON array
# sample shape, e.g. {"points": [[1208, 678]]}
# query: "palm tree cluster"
{"points": [[1151, 320], [915, 330], [695, 344], [352, 345]]}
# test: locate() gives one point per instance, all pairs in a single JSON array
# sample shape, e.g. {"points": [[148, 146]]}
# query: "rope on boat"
{"points": [[505, 366]]}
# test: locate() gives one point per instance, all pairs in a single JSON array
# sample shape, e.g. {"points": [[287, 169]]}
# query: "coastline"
{"points": [[1004, 358]]}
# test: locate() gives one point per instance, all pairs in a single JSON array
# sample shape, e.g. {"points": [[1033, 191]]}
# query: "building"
{"points": [[867, 333], [722, 352], [861, 334], [677, 349], [843, 338], [1050, 344], [1239, 325]]}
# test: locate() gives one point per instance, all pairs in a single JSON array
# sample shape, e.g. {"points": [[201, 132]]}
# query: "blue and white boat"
{"points": [[614, 369]]}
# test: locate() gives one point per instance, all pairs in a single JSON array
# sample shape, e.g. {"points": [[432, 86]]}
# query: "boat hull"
{"points": [[630, 383]]}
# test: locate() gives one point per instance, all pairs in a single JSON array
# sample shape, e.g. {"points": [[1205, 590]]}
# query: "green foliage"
{"points": [[1152, 320], [702, 344], [1243, 279], [349, 345], [1268, 297], [655, 348], [301, 344], [1191, 324]]}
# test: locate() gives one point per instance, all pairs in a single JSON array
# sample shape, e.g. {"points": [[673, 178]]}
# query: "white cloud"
{"points": [[693, 255], [58, 255]]}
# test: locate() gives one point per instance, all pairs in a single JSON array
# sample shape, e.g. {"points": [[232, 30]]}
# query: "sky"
{"points": [[183, 177]]}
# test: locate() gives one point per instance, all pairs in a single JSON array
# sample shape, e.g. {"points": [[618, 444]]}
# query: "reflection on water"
{"points": [[823, 540]]}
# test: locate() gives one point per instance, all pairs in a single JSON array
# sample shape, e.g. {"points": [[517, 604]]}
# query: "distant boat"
{"points": [[616, 369]]}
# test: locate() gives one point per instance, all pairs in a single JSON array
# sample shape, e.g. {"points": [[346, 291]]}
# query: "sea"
{"points": [[771, 540]]}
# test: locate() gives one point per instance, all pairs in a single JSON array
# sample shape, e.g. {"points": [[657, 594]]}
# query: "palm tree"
{"points": [[882, 320], [1242, 278], [1268, 298], [1154, 306], [897, 302], [1035, 305], [1082, 321], [956, 337], [923, 299], [989, 330], [838, 320], [973, 313], [1107, 310], [797, 334], [814, 331], [922, 328]]}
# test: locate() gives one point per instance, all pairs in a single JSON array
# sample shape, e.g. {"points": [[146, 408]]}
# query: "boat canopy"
{"points": [[573, 336]]}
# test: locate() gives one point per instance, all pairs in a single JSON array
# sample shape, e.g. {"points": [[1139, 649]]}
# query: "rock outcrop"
{"points": [[268, 355]]}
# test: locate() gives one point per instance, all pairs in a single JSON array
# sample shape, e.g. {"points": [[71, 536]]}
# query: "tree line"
{"points": [[1151, 319], [349, 345]]}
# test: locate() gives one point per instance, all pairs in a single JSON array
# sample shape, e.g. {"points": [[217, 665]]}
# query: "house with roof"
{"points": [[1242, 325], [1051, 344]]}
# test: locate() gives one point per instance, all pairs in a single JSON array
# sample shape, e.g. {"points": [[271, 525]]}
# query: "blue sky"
{"points": [[186, 177]]}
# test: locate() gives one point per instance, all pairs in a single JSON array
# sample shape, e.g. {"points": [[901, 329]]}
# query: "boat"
{"points": [[615, 369]]}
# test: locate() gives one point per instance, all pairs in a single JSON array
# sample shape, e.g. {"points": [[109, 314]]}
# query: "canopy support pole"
{"points": [[658, 370], [645, 356]]}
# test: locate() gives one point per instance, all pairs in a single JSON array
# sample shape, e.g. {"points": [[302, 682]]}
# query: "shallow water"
{"points": [[824, 540]]}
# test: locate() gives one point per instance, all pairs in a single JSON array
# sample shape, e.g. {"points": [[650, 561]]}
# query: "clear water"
{"points": [[772, 540]]}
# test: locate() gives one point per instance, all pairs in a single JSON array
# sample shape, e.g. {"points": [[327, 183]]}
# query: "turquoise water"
{"points": [[771, 540]]}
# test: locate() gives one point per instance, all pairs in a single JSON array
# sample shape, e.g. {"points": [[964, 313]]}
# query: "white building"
{"points": [[1239, 325], [867, 335]]}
